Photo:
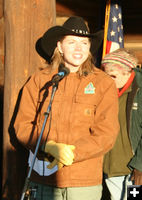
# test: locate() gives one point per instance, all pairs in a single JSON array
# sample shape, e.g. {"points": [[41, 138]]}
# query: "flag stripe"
{"points": [[113, 27]]}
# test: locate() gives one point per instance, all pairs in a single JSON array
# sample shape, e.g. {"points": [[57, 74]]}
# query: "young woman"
{"points": [[83, 123]]}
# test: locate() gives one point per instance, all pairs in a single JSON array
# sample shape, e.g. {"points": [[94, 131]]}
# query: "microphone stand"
{"points": [[25, 193]]}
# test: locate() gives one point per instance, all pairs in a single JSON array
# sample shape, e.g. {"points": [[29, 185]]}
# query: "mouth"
{"points": [[113, 76], [77, 56]]}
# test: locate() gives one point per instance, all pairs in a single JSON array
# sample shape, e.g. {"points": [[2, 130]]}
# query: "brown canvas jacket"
{"points": [[84, 114]]}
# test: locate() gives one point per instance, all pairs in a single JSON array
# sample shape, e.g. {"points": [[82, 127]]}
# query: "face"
{"points": [[118, 74], [75, 51]]}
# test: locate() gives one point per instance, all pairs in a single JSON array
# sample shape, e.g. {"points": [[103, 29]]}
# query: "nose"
{"points": [[78, 46]]}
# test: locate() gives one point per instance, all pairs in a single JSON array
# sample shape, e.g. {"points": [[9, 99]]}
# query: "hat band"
{"points": [[80, 31]]}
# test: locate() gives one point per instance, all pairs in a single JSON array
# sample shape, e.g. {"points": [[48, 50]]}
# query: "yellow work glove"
{"points": [[54, 163], [62, 152]]}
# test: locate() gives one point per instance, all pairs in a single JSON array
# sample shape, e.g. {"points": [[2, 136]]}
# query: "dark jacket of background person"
{"points": [[113, 166]]}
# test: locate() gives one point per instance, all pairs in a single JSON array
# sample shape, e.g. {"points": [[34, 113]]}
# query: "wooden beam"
{"points": [[25, 22]]}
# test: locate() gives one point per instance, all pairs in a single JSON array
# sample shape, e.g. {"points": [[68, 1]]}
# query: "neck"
{"points": [[72, 68]]}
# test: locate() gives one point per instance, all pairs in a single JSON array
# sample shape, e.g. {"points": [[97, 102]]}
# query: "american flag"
{"points": [[113, 33]]}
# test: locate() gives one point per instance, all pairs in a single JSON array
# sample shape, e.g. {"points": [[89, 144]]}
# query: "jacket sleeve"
{"points": [[105, 128], [136, 130], [25, 123], [136, 161]]}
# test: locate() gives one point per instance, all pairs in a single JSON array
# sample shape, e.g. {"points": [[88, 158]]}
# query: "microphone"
{"points": [[63, 71]]}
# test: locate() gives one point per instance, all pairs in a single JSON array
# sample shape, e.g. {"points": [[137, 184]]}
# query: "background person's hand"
{"points": [[137, 177]]}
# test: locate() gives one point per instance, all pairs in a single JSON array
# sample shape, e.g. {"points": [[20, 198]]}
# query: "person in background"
{"points": [[83, 124], [123, 163]]}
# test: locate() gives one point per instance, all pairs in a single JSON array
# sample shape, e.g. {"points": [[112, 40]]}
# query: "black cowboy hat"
{"points": [[73, 26]]}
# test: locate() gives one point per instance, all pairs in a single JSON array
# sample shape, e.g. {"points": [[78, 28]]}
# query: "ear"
{"points": [[59, 47]]}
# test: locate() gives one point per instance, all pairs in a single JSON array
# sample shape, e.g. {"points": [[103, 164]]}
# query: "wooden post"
{"points": [[25, 22]]}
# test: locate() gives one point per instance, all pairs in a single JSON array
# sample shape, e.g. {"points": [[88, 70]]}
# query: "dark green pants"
{"points": [[44, 192]]}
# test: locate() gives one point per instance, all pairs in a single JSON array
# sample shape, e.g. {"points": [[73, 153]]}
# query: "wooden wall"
{"points": [[24, 22]]}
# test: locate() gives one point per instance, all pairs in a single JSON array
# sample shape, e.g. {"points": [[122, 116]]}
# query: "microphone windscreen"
{"points": [[64, 69], [62, 72]]}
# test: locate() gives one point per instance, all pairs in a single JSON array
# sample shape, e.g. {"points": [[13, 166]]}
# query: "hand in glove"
{"points": [[54, 163], [62, 152]]}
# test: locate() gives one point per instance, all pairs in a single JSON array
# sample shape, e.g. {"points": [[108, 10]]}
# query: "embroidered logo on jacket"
{"points": [[90, 89]]}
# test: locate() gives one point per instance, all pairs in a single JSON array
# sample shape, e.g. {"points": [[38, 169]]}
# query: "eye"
{"points": [[85, 42], [71, 42]]}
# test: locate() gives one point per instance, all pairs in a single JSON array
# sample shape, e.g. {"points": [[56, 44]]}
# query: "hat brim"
{"points": [[47, 43], [41, 52]]}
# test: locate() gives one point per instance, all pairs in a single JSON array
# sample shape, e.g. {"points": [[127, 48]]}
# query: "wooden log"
{"points": [[1, 8], [25, 22]]}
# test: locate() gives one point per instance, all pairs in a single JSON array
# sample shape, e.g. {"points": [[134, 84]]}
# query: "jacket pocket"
{"points": [[84, 108]]}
